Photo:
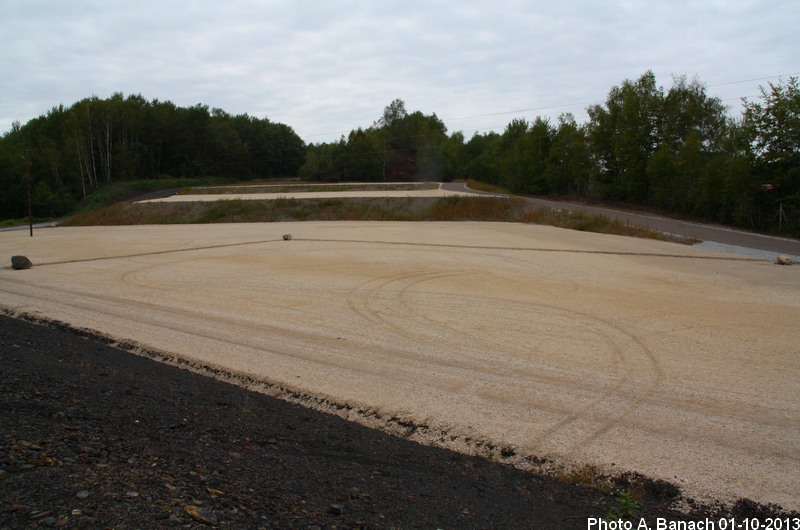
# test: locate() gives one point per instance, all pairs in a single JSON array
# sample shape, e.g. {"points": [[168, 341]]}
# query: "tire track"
{"points": [[632, 387], [218, 329], [528, 249], [382, 304]]}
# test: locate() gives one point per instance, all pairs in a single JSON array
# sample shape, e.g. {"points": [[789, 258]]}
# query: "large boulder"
{"points": [[20, 263]]}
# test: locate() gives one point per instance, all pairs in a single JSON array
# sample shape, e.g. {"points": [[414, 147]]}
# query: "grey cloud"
{"points": [[328, 67]]}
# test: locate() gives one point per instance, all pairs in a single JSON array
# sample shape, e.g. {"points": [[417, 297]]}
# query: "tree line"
{"points": [[675, 150], [71, 152]]}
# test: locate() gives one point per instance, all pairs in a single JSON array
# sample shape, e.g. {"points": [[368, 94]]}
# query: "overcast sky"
{"points": [[325, 67]]}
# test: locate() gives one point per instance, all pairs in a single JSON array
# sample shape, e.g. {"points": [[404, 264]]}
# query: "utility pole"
{"points": [[781, 218], [28, 188]]}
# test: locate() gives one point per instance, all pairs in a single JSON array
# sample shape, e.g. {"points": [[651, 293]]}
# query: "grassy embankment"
{"points": [[116, 193], [510, 209]]}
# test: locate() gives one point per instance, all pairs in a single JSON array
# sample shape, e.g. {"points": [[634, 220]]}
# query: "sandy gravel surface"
{"points": [[675, 362]]}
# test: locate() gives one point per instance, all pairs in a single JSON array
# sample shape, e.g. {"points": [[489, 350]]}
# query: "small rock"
{"points": [[22, 262], [83, 494], [783, 260], [201, 515], [287, 237], [336, 508], [35, 515]]}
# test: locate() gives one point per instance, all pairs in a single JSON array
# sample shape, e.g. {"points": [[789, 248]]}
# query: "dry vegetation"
{"points": [[513, 210], [295, 188]]}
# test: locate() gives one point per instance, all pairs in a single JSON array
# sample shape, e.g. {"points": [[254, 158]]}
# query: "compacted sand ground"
{"points": [[579, 348]]}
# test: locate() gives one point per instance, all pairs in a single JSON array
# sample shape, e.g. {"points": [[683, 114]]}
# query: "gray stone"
{"points": [[20, 263], [783, 260]]}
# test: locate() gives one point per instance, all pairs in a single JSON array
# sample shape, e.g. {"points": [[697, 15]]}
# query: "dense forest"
{"points": [[675, 150], [69, 153]]}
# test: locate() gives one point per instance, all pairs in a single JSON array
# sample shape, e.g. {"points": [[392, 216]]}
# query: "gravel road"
{"points": [[732, 239]]}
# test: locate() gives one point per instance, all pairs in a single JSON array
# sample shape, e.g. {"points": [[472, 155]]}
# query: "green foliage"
{"points": [[662, 172], [122, 191], [645, 145], [483, 158], [454, 157], [48, 203], [364, 160], [772, 128], [774, 123], [626, 507], [398, 147], [568, 164], [624, 134], [675, 150], [72, 152]]}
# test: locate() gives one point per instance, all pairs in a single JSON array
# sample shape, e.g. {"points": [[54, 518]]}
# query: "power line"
{"points": [[564, 105], [550, 107], [751, 80]]}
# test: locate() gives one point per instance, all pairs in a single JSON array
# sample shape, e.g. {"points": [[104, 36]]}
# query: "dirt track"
{"points": [[631, 354]]}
